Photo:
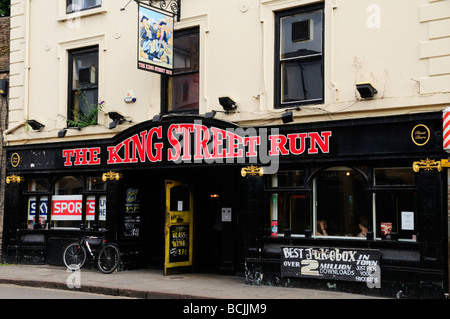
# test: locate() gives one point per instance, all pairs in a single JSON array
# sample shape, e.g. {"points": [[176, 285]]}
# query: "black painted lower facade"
{"points": [[354, 205]]}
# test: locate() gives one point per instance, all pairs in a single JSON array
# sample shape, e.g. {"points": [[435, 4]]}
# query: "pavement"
{"points": [[152, 284]]}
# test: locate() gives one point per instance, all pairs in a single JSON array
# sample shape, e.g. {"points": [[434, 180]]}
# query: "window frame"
{"points": [[165, 79], [278, 63], [398, 191], [89, 191], [92, 88]]}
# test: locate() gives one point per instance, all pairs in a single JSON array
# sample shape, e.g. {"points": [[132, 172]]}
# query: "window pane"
{"points": [[394, 176], [391, 208], [341, 200], [38, 185], [83, 99], [96, 184], [288, 179], [85, 66], [289, 213], [301, 35], [85, 106], [182, 88], [186, 53], [180, 198], [301, 80], [77, 5], [183, 92]]}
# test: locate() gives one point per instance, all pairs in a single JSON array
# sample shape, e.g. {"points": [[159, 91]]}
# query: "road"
{"points": [[19, 292]]}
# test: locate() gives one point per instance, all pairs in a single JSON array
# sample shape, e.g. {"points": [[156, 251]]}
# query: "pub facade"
{"points": [[320, 181]]}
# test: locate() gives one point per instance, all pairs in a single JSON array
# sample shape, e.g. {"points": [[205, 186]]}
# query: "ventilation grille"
{"points": [[300, 31]]}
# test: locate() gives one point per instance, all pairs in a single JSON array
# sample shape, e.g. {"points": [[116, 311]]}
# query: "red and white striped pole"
{"points": [[446, 129]]}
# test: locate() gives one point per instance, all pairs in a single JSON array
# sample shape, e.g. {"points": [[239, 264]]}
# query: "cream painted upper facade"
{"points": [[402, 47]]}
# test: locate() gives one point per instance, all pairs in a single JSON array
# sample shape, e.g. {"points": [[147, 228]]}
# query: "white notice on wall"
{"points": [[180, 206], [407, 220]]}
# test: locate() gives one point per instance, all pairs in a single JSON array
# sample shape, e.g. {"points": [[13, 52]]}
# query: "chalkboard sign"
{"points": [[179, 243], [132, 216], [361, 265]]}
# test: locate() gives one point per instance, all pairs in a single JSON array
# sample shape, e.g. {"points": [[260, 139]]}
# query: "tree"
{"points": [[5, 5]]}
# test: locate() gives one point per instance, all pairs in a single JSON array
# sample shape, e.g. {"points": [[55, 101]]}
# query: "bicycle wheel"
{"points": [[74, 256], [108, 259]]}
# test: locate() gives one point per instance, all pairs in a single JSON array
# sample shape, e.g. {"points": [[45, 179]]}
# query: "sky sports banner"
{"points": [[360, 265], [67, 207]]}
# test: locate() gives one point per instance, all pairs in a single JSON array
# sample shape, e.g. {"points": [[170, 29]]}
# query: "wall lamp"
{"points": [[35, 125], [227, 104], [117, 119], [288, 116], [366, 90]]}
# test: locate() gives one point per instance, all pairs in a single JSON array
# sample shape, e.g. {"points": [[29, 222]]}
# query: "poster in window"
{"points": [[155, 41]]}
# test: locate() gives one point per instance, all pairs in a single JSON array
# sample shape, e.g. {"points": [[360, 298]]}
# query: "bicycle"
{"points": [[107, 260]]}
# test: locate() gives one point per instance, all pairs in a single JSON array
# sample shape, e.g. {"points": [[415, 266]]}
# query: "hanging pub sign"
{"points": [[348, 264], [155, 40]]}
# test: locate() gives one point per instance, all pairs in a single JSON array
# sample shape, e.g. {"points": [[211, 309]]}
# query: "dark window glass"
{"points": [[83, 87], [78, 5], [341, 202], [299, 57], [181, 90]]}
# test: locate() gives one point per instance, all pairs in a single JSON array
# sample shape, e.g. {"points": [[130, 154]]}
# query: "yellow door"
{"points": [[178, 227]]}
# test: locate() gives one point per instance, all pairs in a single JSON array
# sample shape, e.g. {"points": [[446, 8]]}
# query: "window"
{"points": [[290, 204], [37, 197], [341, 203], [180, 92], [83, 87], [299, 57], [78, 5], [395, 202]]}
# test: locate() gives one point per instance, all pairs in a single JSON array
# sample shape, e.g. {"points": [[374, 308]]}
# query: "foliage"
{"points": [[81, 119], [5, 6]]}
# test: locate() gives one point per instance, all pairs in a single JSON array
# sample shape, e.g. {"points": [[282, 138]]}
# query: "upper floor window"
{"points": [[83, 87], [299, 57], [180, 92], [78, 5]]}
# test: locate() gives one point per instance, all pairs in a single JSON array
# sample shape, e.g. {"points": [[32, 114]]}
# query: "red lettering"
{"points": [[68, 154], [201, 141], [158, 146], [323, 144], [186, 129], [174, 153], [293, 143], [233, 146], [94, 159], [251, 142], [217, 142], [277, 145], [113, 157], [139, 146]]}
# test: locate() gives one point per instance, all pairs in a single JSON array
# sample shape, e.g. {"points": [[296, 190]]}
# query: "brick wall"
{"points": [[4, 44], [4, 74]]}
